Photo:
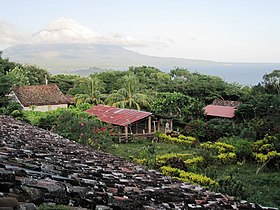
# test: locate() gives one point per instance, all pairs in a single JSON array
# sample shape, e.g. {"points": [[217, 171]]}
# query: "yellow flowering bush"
{"points": [[264, 144], [188, 176], [219, 146], [264, 149], [194, 160], [161, 159], [141, 161], [262, 158], [187, 138], [227, 157], [225, 153], [180, 140]]}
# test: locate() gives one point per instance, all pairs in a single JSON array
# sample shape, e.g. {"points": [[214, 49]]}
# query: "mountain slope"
{"points": [[84, 59], [82, 56]]}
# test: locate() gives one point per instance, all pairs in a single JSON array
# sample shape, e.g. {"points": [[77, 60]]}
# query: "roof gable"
{"points": [[117, 116], [39, 95], [220, 111]]}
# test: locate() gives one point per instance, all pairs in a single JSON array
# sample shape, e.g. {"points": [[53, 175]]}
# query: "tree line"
{"points": [[179, 94]]}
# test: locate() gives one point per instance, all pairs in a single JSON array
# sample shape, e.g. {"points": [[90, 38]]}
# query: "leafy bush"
{"points": [[188, 176], [181, 139], [248, 133], [223, 152], [198, 129], [12, 106], [243, 147], [221, 128], [231, 186], [265, 152], [73, 124]]}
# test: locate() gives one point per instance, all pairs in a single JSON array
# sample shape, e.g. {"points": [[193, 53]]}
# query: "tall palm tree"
{"points": [[95, 96], [128, 96]]}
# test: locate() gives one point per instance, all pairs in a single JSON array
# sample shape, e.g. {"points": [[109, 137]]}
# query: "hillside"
{"points": [[82, 56], [85, 59]]}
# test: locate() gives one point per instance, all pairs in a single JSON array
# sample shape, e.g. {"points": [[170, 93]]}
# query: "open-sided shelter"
{"points": [[129, 121]]}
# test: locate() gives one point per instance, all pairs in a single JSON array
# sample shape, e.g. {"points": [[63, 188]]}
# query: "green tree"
{"points": [[128, 96], [95, 95], [64, 81], [175, 105], [271, 82], [112, 80], [19, 76], [5, 86], [28, 75]]}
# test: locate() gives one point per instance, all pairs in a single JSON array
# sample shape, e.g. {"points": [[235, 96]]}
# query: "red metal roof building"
{"points": [[133, 120], [117, 116], [220, 111]]}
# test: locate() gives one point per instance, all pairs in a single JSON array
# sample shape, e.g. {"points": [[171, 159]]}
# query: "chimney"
{"points": [[46, 79]]}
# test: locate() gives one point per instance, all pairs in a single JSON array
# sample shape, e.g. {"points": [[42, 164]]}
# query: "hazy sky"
{"points": [[219, 30]]}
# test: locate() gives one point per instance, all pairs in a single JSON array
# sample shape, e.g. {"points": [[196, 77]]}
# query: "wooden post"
{"points": [[158, 124], [150, 124], [155, 128], [171, 124], [126, 132]]}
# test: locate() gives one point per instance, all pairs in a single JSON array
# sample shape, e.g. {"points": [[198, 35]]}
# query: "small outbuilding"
{"points": [[40, 97], [128, 121], [222, 108]]}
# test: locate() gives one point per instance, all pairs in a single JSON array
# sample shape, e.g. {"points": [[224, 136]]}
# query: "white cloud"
{"points": [[10, 35], [67, 30]]}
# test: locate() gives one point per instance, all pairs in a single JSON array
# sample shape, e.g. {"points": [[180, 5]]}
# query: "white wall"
{"points": [[46, 108]]}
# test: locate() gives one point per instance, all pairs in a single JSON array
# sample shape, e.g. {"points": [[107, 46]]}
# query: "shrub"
{"points": [[221, 128], [188, 176], [229, 185], [265, 152], [248, 133], [185, 140], [176, 163], [198, 129], [12, 106], [243, 147], [195, 160], [223, 152]]}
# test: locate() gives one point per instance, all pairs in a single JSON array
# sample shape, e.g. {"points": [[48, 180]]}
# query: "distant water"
{"points": [[242, 73]]}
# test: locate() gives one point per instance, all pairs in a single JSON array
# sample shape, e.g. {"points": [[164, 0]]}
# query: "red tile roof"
{"points": [[219, 111], [39, 95], [117, 116]]}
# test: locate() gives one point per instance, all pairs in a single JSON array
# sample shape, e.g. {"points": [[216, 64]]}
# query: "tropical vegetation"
{"points": [[239, 156]]}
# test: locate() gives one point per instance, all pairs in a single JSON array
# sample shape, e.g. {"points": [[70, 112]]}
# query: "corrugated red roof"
{"points": [[117, 116], [219, 111]]}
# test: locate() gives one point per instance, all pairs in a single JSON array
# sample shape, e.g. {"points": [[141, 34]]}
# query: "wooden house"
{"points": [[40, 97]]}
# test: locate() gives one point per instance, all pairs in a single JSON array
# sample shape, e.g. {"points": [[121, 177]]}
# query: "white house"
{"points": [[40, 97]]}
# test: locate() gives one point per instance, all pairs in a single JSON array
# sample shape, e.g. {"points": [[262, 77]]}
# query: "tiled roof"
{"points": [[117, 116], [221, 102], [39, 95], [219, 111], [43, 167]]}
